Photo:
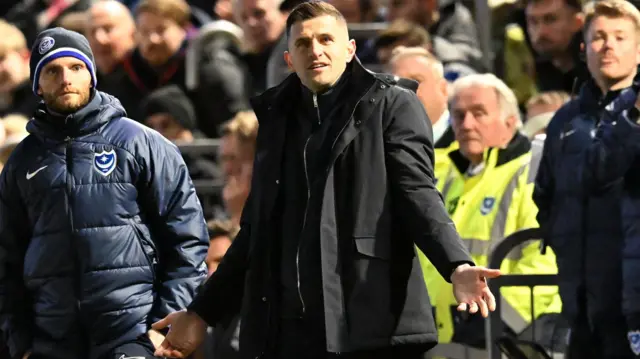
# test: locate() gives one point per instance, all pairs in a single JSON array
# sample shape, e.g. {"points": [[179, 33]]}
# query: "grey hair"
{"points": [[507, 100]]}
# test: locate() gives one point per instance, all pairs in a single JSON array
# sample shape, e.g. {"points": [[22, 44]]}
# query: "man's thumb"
{"points": [[490, 273]]}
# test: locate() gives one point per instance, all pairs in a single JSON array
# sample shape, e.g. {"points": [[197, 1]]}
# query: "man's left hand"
{"points": [[156, 338], [471, 290]]}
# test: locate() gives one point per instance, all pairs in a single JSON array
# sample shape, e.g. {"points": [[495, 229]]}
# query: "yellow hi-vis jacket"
{"points": [[486, 208], [442, 169]]}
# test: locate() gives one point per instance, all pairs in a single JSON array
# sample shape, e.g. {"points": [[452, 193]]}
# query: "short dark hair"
{"points": [[575, 5], [409, 33], [175, 10], [311, 10]]}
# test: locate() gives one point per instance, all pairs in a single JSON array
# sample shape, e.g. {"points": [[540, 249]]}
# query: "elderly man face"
{"points": [[478, 121]]}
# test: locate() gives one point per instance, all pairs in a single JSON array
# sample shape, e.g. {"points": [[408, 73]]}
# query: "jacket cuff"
{"points": [[200, 307]]}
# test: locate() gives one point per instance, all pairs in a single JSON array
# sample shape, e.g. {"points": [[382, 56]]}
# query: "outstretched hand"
{"points": [[471, 290]]}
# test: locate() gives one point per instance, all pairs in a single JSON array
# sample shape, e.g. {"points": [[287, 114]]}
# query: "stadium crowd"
{"points": [[188, 69]]}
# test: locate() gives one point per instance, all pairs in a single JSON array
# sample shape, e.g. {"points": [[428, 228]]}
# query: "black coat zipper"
{"points": [[306, 174], [306, 207]]}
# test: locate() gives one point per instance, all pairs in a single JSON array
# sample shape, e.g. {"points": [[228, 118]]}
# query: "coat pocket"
{"points": [[369, 246], [147, 247]]}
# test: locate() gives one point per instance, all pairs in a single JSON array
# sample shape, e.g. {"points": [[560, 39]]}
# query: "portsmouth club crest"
{"points": [[634, 341], [104, 162], [487, 205]]}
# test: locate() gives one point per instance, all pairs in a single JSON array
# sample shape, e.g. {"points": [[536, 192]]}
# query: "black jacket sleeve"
{"points": [[222, 293], [179, 228], [409, 159], [15, 316]]}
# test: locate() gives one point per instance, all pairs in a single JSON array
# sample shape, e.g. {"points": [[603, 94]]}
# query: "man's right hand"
{"points": [[26, 355], [186, 333]]}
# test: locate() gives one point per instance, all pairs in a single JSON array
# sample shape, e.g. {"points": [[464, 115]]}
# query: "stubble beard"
{"points": [[57, 104]]}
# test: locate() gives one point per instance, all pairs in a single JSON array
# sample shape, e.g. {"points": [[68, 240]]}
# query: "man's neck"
{"points": [[563, 62], [615, 86]]}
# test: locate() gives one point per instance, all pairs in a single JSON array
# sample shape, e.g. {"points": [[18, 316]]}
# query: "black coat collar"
{"points": [[281, 98]]}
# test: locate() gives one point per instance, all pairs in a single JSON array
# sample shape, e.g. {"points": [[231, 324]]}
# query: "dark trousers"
{"points": [[589, 340], [140, 348], [298, 338]]}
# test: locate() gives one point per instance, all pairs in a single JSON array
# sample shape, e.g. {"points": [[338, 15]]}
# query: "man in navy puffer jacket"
{"points": [[583, 225], [101, 232], [615, 155]]}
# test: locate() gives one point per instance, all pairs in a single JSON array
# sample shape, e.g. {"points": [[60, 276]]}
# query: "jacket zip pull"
{"points": [[315, 104]]}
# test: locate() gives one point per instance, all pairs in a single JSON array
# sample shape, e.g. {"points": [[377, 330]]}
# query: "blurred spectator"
{"points": [[358, 11], [74, 21], [12, 131], [16, 95], [15, 125], [361, 11], [33, 16], [223, 10], [450, 24], [221, 234], [110, 31], [236, 156], [263, 24], [405, 33], [554, 27], [159, 60], [515, 64], [540, 110], [401, 33], [416, 63], [169, 111]]}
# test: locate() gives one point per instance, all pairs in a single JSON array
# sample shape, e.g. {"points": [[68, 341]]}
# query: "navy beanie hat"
{"points": [[55, 43]]}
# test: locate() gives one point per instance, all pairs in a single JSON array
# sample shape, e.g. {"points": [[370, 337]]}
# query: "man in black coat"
{"points": [[324, 263]]}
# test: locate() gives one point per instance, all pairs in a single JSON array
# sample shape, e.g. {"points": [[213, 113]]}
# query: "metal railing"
{"points": [[494, 324]]}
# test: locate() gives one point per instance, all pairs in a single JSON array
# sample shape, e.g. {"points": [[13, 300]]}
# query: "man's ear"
{"points": [[351, 50], [511, 123], [287, 59], [39, 90]]}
